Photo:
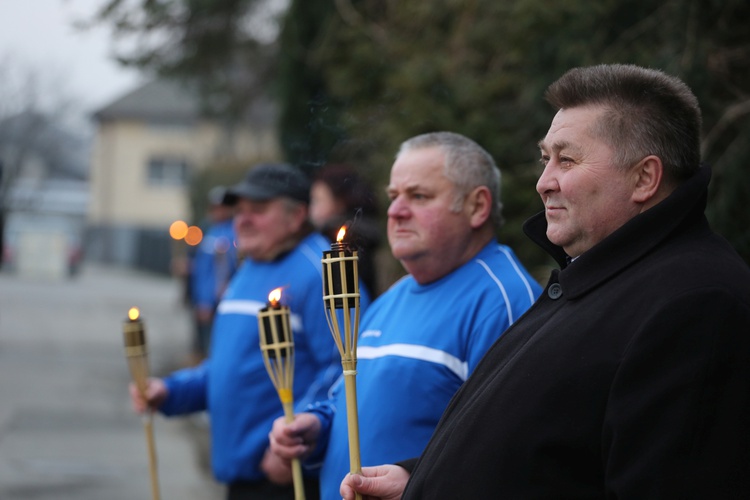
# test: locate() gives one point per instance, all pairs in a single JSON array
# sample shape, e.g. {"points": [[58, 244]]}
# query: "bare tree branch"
{"points": [[731, 114]]}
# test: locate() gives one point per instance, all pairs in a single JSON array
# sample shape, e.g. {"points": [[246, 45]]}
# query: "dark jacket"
{"points": [[629, 378]]}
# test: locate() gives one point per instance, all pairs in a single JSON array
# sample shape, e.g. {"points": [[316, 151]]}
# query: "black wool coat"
{"points": [[629, 378]]}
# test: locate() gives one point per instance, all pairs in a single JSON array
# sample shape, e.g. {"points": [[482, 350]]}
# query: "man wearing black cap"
{"points": [[280, 250]]}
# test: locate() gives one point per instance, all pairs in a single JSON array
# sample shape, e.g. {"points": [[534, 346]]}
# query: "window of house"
{"points": [[166, 171]]}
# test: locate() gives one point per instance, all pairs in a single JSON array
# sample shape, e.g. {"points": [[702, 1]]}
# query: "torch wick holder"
{"points": [[277, 347], [341, 299], [136, 354], [339, 246]]}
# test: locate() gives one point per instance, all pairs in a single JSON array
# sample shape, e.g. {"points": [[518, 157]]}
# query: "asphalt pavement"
{"points": [[66, 427]]}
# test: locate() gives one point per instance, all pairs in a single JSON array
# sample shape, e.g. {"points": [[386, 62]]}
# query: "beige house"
{"points": [[148, 144]]}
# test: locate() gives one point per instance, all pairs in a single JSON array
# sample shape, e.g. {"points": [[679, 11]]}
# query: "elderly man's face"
{"points": [[264, 228], [423, 230], [586, 197]]}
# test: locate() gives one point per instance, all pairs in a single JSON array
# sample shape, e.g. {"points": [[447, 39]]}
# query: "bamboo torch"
{"points": [[341, 297], [277, 346], [137, 357]]}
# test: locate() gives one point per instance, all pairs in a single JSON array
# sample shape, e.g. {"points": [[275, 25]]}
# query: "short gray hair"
{"points": [[467, 166]]}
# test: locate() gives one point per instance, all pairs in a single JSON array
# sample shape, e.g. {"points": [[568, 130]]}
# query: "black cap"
{"points": [[271, 180]]}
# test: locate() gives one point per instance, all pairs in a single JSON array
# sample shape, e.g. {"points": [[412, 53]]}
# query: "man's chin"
{"points": [[556, 238], [246, 249], [404, 252]]}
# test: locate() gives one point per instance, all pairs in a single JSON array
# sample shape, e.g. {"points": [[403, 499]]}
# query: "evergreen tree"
{"points": [[356, 77], [308, 123]]}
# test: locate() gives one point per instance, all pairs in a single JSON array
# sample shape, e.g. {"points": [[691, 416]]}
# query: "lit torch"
{"points": [[277, 346], [137, 357], [341, 297]]}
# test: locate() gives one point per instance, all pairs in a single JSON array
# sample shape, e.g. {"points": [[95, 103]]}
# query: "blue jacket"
{"points": [[213, 265], [417, 346], [233, 383]]}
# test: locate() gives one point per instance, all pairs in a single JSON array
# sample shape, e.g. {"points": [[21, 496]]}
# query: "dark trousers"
{"points": [[266, 490]]}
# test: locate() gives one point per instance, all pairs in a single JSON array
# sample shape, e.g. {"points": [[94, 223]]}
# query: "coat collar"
{"points": [[630, 242]]}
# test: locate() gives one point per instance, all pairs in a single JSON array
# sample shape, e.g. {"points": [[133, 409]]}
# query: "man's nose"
{"points": [[398, 208], [547, 181]]}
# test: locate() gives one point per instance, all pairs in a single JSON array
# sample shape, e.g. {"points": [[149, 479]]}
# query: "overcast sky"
{"points": [[37, 36]]}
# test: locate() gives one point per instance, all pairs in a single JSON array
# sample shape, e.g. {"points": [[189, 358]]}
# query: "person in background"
{"points": [[212, 266], [422, 338], [341, 196], [280, 249], [630, 376]]}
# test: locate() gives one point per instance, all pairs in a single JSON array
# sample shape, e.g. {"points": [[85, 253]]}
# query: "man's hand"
{"points": [[296, 439], [384, 482], [156, 393], [276, 469]]}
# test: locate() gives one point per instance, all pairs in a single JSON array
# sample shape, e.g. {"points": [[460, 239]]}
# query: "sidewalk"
{"points": [[66, 427]]}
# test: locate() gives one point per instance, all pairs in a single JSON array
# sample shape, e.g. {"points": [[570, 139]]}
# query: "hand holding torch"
{"points": [[341, 297], [277, 347], [137, 357]]}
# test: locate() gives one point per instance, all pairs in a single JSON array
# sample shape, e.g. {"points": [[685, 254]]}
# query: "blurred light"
{"points": [[194, 236], [222, 244], [133, 313], [178, 230]]}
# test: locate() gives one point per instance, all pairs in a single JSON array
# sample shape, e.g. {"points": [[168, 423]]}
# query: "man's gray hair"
{"points": [[467, 166]]}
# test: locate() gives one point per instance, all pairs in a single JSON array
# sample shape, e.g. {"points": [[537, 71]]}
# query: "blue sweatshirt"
{"points": [[233, 383], [418, 344]]}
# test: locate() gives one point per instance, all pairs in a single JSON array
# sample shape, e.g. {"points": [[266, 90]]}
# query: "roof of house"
{"points": [[159, 100], [170, 101]]}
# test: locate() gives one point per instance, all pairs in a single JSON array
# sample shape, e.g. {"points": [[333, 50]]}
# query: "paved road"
{"points": [[66, 428]]}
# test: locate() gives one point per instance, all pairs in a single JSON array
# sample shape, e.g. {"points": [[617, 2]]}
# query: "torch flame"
{"points": [[340, 236], [133, 313], [275, 296]]}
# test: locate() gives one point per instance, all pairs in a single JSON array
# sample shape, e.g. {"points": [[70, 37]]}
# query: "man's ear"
{"points": [[479, 205], [649, 174]]}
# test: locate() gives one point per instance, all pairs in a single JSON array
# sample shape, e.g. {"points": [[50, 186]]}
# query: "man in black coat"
{"points": [[630, 376]]}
